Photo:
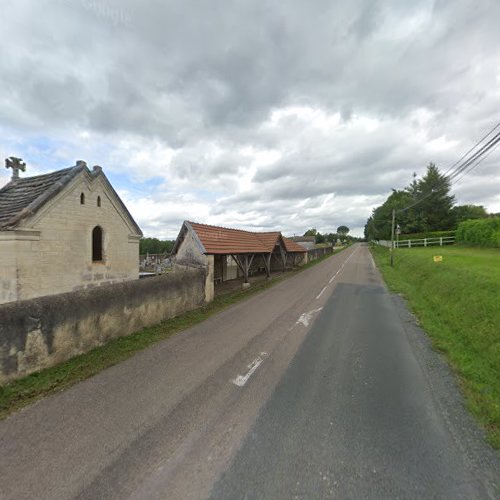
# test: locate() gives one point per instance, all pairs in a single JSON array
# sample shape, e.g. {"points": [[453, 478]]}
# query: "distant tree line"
{"points": [[340, 236], [425, 205], [154, 245]]}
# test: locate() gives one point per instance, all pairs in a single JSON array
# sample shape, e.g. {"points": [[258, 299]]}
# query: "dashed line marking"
{"points": [[241, 380], [336, 274]]}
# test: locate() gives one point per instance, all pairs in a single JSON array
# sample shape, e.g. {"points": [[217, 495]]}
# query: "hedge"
{"points": [[481, 232], [429, 234]]}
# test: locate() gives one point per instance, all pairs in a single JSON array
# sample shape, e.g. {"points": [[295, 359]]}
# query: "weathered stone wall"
{"points": [[189, 252], [316, 253], [44, 331], [52, 251], [8, 269]]}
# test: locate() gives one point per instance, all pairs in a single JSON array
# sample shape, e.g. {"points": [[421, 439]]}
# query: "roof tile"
{"points": [[223, 240]]}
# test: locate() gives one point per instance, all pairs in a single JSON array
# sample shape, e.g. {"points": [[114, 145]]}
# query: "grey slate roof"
{"points": [[23, 197]]}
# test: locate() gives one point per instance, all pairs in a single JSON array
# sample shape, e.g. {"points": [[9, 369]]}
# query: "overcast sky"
{"points": [[252, 114]]}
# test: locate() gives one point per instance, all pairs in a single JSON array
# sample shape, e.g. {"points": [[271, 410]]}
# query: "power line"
{"points": [[473, 147], [472, 162], [455, 175], [456, 181], [478, 154]]}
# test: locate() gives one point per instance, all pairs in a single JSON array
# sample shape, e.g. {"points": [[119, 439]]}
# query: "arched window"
{"points": [[97, 244], [98, 201], [82, 199]]}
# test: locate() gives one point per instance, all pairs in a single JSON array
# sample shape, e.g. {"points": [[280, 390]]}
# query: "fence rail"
{"points": [[425, 242]]}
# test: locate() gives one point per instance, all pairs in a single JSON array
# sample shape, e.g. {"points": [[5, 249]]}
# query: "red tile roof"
{"points": [[269, 240], [291, 246], [223, 240]]}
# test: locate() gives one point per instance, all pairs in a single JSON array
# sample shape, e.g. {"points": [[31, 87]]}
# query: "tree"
{"points": [[433, 200], [467, 212], [319, 238], [424, 205], [155, 246], [378, 226], [342, 232], [311, 232], [331, 238]]}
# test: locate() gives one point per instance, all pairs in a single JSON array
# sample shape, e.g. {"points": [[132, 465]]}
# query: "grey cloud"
{"points": [[190, 74]]}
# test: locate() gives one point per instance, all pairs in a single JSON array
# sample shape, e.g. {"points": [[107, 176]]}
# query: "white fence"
{"points": [[424, 242]]}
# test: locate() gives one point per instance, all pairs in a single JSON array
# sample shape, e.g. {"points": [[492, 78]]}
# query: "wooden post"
{"points": [[267, 264], [246, 268]]}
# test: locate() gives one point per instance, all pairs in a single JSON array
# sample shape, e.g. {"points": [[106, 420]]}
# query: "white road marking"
{"points": [[336, 274], [241, 380], [306, 317]]}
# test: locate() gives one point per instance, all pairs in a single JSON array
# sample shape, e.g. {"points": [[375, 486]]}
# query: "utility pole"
{"points": [[392, 236]]}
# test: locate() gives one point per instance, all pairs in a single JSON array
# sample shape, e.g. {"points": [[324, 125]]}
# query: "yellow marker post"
{"points": [[438, 258]]}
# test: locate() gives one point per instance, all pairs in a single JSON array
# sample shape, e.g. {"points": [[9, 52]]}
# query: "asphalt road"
{"points": [[320, 387]]}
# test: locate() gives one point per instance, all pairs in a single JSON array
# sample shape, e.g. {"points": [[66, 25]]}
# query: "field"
{"points": [[457, 301]]}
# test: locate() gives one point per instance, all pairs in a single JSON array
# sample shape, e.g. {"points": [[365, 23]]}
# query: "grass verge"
{"points": [[457, 303], [27, 390]]}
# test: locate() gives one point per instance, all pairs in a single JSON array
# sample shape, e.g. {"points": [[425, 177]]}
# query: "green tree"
{"points": [[378, 226], [424, 205], [433, 200], [461, 213], [332, 238], [154, 245], [343, 230], [311, 232], [319, 238]]}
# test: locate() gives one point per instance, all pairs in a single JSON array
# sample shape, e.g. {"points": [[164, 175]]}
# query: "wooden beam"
{"points": [[267, 263], [239, 264], [244, 263], [283, 256], [251, 260]]}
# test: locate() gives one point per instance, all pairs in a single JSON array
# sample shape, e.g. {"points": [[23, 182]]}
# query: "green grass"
{"points": [[26, 390], [457, 301]]}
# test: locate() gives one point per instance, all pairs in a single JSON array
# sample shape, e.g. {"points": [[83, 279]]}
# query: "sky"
{"points": [[258, 115]]}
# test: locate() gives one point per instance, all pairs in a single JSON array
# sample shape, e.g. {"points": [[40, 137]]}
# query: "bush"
{"points": [[429, 234], [481, 232]]}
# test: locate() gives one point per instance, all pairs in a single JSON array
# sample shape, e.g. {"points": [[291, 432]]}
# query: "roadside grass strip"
{"points": [[457, 301], [26, 390]]}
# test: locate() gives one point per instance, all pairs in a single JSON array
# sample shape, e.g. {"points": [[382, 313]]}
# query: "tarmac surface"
{"points": [[322, 386]]}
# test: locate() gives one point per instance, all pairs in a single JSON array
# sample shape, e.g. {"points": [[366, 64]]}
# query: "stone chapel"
{"points": [[63, 231]]}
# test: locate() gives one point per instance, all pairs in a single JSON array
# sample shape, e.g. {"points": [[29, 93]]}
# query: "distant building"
{"points": [[307, 242], [63, 231], [231, 253]]}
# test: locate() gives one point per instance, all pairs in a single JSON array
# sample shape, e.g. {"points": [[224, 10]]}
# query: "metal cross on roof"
{"points": [[15, 164]]}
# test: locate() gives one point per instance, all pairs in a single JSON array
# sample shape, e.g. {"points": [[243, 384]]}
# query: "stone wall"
{"points": [[316, 253], [44, 331], [8, 270]]}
